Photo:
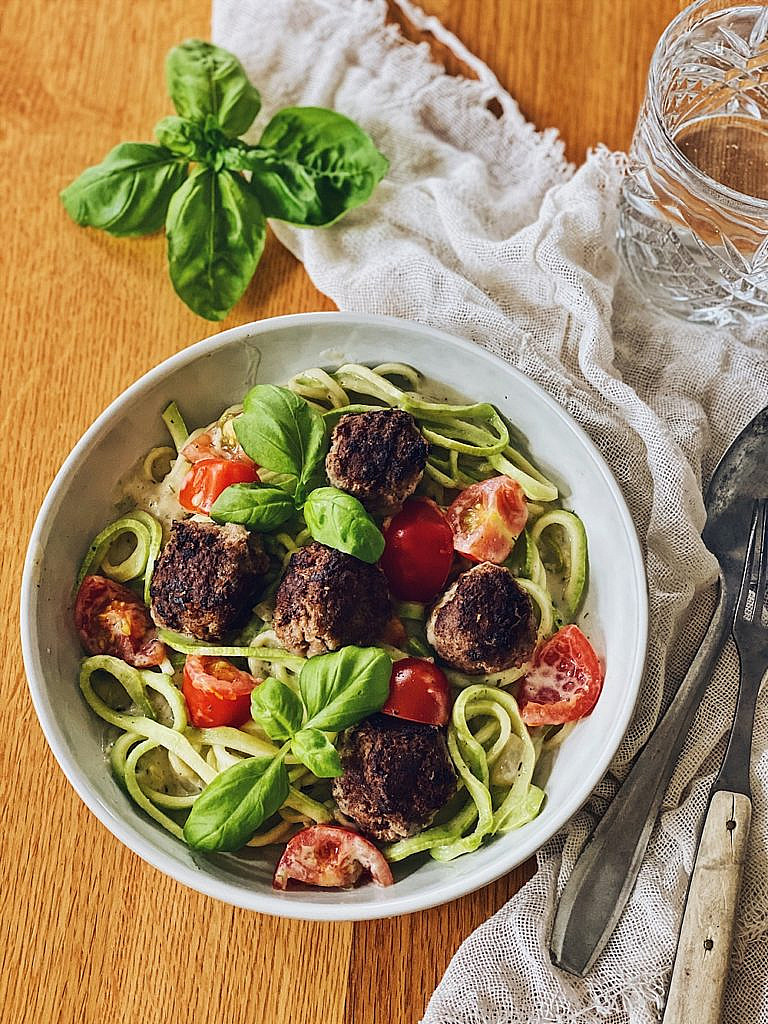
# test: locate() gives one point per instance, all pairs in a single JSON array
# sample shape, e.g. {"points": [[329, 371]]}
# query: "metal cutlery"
{"points": [[602, 879], [700, 972]]}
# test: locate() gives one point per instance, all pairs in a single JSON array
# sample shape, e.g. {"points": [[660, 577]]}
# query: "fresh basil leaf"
{"points": [[181, 136], [311, 165], [259, 506], [205, 80], [277, 709], [235, 803], [128, 192], [282, 432], [315, 750], [216, 235], [338, 520], [340, 688]]}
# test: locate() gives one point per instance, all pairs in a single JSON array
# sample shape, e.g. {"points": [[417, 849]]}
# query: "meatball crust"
{"points": [[328, 599], [484, 622], [397, 775], [379, 457], [206, 579]]}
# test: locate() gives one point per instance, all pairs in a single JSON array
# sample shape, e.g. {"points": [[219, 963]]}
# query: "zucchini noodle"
{"points": [[486, 807], [186, 645], [140, 563], [543, 602], [475, 432], [196, 755], [460, 680], [153, 457], [177, 428], [164, 763], [576, 557]]}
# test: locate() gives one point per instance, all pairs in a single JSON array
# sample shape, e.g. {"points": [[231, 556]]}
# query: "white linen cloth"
{"points": [[482, 229]]}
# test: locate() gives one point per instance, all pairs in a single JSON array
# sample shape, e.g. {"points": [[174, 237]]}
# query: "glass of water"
{"points": [[693, 226]]}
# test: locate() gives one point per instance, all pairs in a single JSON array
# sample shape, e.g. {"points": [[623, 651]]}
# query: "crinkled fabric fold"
{"points": [[483, 229]]}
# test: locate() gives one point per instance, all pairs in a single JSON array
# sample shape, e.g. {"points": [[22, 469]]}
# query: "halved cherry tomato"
{"points": [[564, 682], [331, 857], [208, 478], [418, 691], [216, 692], [419, 551], [212, 445], [487, 518], [111, 619]]}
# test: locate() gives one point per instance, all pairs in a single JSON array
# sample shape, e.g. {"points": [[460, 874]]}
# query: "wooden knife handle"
{"points": [[701, 964]]}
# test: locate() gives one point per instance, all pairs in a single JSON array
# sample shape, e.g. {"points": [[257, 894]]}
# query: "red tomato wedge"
{"points": [[111, 619], [331, 857], [208, 478], [564, 682], [419, 691], [216, 692], [487, 518], [419, 551]]}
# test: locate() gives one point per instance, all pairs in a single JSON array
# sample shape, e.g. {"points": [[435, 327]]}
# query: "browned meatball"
{"points": [[377, 456], [484, 622], [397, 775], [207, 579], [328, 599]]}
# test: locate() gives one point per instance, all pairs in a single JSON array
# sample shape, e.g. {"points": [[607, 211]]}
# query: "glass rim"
{"points": [[742, 199]]}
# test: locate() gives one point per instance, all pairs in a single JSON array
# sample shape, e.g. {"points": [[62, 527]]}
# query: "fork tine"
{"points": [[751, 560]]}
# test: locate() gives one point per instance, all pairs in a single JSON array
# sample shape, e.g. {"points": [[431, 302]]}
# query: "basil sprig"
{"points": [[337, 691], [310, 167], [284, 434]]}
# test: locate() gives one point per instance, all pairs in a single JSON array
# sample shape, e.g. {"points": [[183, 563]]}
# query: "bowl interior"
{"points": [[204, 379]]}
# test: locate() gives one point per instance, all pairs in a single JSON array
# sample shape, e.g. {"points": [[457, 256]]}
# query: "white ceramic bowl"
{"points": [[215, 373]]}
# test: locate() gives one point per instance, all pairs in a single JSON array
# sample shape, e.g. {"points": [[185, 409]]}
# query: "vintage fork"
{"points": [[700, 972]]}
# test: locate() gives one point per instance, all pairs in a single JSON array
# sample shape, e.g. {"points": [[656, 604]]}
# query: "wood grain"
{"points": [[700, 972], [89, 931]]}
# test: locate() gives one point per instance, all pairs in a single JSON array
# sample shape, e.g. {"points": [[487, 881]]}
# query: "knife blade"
{"points": [[605, 873]]}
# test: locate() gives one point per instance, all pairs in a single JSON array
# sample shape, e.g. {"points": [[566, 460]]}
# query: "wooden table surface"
{"points": [[90, 932]]}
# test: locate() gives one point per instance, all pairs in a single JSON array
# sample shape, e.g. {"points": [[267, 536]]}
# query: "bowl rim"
{"points": [[272, 903]]}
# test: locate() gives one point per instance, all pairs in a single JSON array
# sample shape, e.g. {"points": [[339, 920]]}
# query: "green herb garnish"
{"points": [[337, 691], [284, 434], [309, 168]]}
